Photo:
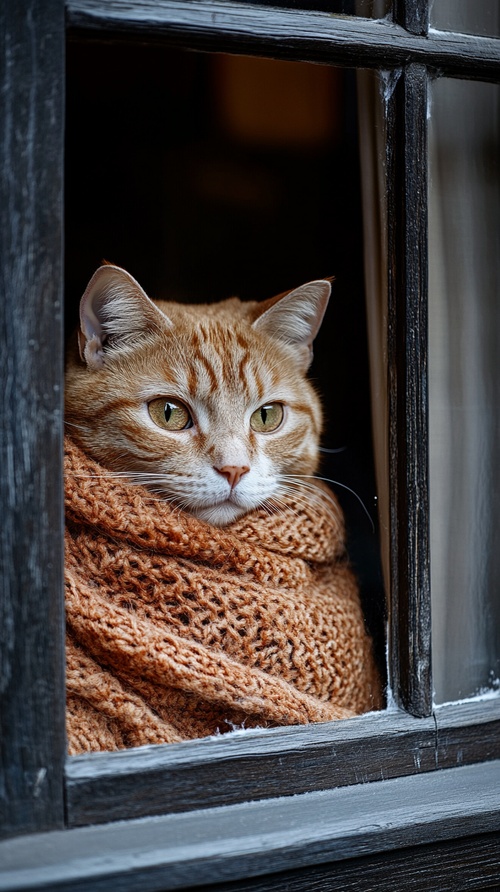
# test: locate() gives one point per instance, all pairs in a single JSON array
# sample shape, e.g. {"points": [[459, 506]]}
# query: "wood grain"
{"points": [[261, 838], [31, 538], [412, 15], [410, 646], [282, 762], [472, 864], [310, 36]]}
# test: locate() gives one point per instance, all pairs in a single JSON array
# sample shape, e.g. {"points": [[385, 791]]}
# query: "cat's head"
{"points": [[207, 405]]}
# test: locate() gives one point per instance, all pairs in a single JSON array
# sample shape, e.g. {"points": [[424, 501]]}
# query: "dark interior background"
{"points": [[207, 176]]}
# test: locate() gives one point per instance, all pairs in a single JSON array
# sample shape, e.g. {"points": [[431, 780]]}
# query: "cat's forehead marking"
{"points": [[224, 354], [195, 339], [242, 340], [221, 367], [210, 370]]}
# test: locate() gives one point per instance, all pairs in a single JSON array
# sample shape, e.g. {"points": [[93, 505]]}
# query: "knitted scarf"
{"points": [[178, 630]]}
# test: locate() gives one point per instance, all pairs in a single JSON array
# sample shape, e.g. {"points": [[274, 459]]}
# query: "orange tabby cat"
{"points": [[207, 405]]}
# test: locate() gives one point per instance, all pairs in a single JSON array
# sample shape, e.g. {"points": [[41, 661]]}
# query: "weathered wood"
{"points": [[472, 864], [244, 766], [31, 622], [467, 732], [305, 35], [259, 838], [410, 649], [282, 762], [412, 15]]}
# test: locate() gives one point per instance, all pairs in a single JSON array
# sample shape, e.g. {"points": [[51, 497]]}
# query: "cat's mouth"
{"points": [[220, 514]]}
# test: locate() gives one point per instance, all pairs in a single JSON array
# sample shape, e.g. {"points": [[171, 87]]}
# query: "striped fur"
{"points": [[223, 361]]}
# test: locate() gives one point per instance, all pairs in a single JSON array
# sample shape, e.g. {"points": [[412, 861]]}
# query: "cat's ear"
{"points": [[114, 311], [295, 318]]}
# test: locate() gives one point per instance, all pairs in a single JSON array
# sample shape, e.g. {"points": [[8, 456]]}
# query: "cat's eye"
{"points": [[170, 414], [268, 418]]}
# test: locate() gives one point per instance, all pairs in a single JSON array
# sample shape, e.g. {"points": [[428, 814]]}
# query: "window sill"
{"points": [[258, 838]]}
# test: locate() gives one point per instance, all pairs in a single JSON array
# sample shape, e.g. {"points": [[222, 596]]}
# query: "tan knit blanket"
{"points": [[178, 630]]}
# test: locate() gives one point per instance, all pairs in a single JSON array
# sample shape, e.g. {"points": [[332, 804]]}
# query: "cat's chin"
{"points": [[220, 515]]}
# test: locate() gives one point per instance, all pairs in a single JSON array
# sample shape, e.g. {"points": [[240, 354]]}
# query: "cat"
{"points": [[208, 406]]}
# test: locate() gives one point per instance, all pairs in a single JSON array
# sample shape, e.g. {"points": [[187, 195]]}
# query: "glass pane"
{"points": [[209, 176], [467, 16], [371, 91], [373, 9], [464, 329]]}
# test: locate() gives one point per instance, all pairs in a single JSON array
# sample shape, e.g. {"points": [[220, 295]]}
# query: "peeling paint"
{"points": [[39, 780], [388, 82]]}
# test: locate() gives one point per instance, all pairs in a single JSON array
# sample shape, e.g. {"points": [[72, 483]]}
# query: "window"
{"points": [[324, 767]]}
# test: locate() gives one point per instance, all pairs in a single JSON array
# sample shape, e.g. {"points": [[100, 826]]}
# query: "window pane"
{"points": [[207, 176], [372, 9], [467, 16], [464, 329]]}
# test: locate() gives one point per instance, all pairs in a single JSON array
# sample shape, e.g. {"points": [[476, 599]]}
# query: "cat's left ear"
{"points": [[295, 318]]}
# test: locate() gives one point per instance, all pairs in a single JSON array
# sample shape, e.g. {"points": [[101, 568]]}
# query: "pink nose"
{"points": [[233, 473]]}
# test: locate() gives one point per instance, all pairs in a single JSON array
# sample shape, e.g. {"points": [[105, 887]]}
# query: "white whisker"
{"points": [[335, 483], [285, 506], [314, 493], [80, 427], [305, 498]]}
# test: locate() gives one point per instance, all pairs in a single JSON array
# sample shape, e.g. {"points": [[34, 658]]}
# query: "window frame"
{"points": [[44, 790]]}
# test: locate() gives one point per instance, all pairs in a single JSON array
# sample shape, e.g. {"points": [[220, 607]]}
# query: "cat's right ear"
{"points": [[114, 312]]}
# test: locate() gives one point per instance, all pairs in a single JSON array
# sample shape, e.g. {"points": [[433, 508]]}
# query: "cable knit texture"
{"points": [[178, 630]]}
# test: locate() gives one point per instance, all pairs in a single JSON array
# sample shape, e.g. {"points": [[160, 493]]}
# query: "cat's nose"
{"points": [[233, 473]]}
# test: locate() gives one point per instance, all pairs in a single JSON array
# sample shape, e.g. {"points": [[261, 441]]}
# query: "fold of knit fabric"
{"points": [[178, 630]]}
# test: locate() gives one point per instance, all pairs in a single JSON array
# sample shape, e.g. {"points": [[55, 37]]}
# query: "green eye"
{"points": [[171, 415], [267, 418]]}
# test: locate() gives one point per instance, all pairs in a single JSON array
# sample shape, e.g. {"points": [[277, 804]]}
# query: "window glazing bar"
{"points": [[410, 625], [412, 15], [303, 35]]}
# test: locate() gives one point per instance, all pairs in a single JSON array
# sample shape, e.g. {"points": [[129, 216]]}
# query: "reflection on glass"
{"points": [[373, 9], [372, 148], [464, 386], [467, 16]]}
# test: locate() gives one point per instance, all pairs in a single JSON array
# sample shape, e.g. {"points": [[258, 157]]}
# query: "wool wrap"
{"points": [[178, 630]]}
